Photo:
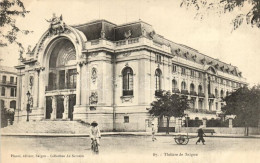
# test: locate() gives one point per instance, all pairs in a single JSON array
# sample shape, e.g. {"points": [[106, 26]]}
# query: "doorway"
{"points": [[60, 107], [72, 103], [48, 107]]}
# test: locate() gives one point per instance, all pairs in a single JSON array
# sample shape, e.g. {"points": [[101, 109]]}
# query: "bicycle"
{"points": [[94, 146]]}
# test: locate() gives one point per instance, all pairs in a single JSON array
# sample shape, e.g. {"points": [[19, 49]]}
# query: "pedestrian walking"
{"points": [[95, 132], [153, 133], [200, 135]]}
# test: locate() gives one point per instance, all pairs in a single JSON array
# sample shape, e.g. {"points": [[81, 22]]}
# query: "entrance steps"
{"points": [[47, 126]]}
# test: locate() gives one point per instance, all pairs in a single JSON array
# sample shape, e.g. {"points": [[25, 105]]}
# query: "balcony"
{"points": [[193, 93], [175, 90], [185, 92], [200, 94], [8, 83], [211, 96], [60, 87]]}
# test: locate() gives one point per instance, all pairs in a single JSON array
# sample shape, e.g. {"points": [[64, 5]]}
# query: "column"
{"points": [[78, 87], [35, 89], [54, 107], [197, 103], [66, 107], [230, 124], [204, 121], [206, 100]]}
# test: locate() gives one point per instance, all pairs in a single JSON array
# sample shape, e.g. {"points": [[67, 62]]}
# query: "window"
{"points": [[183, 72], [12, 93], [72, 79], [200, 75], [158, 76], [13, 104], [4, 79], [11, 79], [200, 89], [174, 68], [158, 58], [183, 85], [174, 84], [221, 81], [222, 94], [126, 119], [192, 87], [127, 74], [3, 91], [192, 73], [216, 92]]}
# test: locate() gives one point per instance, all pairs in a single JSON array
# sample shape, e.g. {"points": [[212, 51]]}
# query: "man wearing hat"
{"points": [[200, 135], [95, 132]]}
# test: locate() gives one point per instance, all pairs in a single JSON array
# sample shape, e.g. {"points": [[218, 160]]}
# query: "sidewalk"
{"points": [[105, 134]]}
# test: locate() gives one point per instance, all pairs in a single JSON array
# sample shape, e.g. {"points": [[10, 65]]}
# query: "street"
{"points": [[131, 148]]}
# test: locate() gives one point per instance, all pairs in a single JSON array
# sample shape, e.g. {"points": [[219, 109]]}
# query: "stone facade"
{"points": [[8, 83], [110, 73]]}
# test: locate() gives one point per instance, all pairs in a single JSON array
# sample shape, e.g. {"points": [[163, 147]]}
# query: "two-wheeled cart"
{"points": [[182, 139]]}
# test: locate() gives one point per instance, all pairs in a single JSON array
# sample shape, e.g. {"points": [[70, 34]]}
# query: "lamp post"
{"points": [[28, 105]]}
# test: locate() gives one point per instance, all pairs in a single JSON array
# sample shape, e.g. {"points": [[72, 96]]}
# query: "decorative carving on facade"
{"points": [[126, 54], [94, 74], [128, 34], [93, 54], [152, 34], [194, 57], [57, 25], [178, 51], [127, 99], [31, 82], [29, 49], [93, 99], [143, 31], [102, 34]]}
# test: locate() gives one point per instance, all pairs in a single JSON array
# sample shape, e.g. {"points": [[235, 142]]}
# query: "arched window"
{"points": [[158, 78], [13, 104], [192, 87], [127, 74], [174, 84], [216, 92], [227, 93], [183, 85], [221, 93], [3, 91], [200, 89]]}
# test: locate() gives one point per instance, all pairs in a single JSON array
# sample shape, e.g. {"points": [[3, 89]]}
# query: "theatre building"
{"points": [[111, 73]]}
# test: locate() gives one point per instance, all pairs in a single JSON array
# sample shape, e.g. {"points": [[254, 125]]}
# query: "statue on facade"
{"points": [[93, 99], [57, 25]]}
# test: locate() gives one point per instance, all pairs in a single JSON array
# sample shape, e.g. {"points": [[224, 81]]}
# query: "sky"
{"points": [[212, 36]]}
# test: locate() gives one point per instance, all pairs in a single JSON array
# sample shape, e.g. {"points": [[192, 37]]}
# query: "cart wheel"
{"points": [[186, 140]]}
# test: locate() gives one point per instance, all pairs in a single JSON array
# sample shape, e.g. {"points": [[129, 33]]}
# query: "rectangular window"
{"points": [[126, 119], [12, 93], [192, 73], [3, 91], [4, 79], [200, 75], [183, 71], [72, 79], [158, 58], [174, 68], [11, 79]]}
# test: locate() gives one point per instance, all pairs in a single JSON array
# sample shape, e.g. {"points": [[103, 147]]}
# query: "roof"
{"points": [[93, 30]]}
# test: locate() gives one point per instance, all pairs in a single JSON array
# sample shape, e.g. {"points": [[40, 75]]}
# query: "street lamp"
{"points": [[28, 105]]}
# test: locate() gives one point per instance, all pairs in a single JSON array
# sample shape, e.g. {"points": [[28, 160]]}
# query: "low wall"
{"points": [[225, 130]]}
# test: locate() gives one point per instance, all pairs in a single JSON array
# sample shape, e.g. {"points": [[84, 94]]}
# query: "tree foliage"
{"points": [[250, 14], [10, 10], [169, 105], [245, 104]]}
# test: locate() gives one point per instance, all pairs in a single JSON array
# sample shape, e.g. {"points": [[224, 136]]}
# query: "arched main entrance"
{"points": [[62, 79]]}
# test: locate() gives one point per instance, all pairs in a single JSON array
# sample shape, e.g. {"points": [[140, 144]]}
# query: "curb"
{"points": [[114, 134]]}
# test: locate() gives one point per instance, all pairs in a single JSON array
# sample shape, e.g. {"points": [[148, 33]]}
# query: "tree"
{"points": [[10, 10], [169, 105], [249, 9], [245, 104]]}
